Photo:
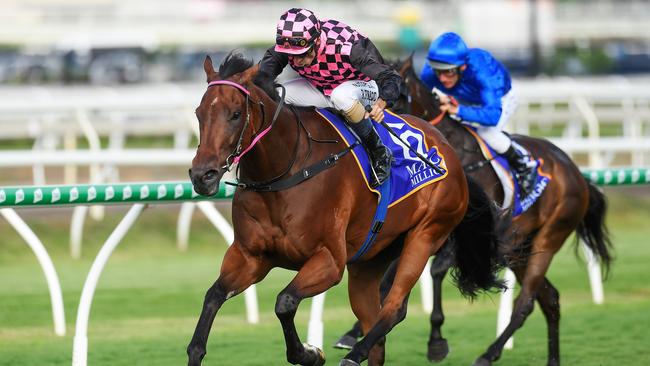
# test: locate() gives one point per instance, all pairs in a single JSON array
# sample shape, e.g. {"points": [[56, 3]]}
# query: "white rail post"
{"points": [[46, 263], [70, 170], [97, 212], [80, 342], [595, 278], [426, 286], [505, 306], [77, 229], [315, 328], [183, 225]]}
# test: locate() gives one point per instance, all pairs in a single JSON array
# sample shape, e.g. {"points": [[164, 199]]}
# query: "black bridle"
{"points": [[276, 183]]}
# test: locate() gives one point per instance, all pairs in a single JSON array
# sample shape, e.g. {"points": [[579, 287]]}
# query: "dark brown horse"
{"points": [[316, 227], [568, 204]]}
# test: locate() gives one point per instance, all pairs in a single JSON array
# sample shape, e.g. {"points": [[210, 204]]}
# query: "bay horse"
{"points": [[568, 204], [315, 227]]}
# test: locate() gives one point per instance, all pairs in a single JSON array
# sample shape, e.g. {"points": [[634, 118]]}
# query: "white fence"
{"points": [[607, 120]]}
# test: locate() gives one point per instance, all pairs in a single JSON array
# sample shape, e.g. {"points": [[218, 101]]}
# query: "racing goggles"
{"points": [[447, 72], [292, 42]]}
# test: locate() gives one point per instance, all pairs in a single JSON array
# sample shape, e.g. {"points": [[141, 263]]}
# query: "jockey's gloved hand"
{"points": [[376, 112], [449, 107], [442, 97]]}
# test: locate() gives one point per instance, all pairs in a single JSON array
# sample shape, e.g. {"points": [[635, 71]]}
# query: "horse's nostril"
{"points": [[209, 175]]}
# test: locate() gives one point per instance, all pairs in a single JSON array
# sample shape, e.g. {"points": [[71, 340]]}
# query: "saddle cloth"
{"points": [[408, 173], [511, 192]]}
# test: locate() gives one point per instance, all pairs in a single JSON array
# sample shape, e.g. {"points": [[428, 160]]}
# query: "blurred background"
{"points": [[95, 91], [114, 74], [122, 41]]}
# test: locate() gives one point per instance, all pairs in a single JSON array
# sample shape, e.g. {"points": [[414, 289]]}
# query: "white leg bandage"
{"points": [[355, 113]]}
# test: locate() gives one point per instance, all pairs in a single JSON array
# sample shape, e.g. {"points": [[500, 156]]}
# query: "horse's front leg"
{"points": [[238, 271], [317, 275]]}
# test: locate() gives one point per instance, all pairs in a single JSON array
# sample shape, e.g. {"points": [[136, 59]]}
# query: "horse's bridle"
{"points": [[236, 155]]}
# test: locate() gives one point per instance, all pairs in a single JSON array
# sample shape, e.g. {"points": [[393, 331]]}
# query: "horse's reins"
{"points": [[467, 168], [424, 159], [276, 184]]}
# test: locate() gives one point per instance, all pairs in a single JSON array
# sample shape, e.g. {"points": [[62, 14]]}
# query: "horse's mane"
{"points": [[233, 63], [397, 65]]}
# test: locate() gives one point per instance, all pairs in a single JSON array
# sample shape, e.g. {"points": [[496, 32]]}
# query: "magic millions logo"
{"points": [[419, 172]]}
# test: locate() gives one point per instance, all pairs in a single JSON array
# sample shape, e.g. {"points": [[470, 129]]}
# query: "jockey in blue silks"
{"points": [[482, 86]]}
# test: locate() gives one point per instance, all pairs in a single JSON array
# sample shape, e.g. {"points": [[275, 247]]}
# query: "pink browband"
{"points": [[231, 83], [237, 157]]}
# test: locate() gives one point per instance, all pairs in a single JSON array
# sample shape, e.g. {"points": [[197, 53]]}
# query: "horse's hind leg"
{"points": [[411, 263], [364, 294], [231, 281], [531, 279], [437, 347], [549, 301], [349, 339], [317, 275]]}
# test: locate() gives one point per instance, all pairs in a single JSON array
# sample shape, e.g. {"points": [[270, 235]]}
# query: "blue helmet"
{"points": [[448, 51]]}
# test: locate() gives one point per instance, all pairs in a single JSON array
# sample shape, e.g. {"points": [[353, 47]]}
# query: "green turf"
{"points": [[150, 295]]}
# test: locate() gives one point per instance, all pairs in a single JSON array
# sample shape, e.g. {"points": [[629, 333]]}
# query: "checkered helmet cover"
{"points": [[296, 23]]}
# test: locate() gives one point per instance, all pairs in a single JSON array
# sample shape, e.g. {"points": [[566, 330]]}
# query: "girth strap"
{"points": [[377, 221], [298, 177]]}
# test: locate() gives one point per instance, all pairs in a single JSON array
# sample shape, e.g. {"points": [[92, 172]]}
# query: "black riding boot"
{"points": [[526, 175], [380, 155]]}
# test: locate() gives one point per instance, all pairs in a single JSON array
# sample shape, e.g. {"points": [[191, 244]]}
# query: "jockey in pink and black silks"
{"points": [[339, 68]]}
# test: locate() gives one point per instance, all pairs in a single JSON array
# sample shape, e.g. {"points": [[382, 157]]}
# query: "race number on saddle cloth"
{"points": [[408, 172], [510, 185]]}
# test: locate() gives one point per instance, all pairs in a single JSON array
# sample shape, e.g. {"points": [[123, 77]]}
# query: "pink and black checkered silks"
{"points": [[298, 23], [332, 65]]}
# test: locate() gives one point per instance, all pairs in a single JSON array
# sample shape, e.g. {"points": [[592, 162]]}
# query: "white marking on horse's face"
{"points": [[214, 101]]}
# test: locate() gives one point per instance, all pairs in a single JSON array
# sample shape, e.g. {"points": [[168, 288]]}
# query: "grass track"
{"points": [[150, 295]]}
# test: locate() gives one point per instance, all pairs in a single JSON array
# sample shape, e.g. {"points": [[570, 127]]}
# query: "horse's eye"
{"points": [[235, 116]]}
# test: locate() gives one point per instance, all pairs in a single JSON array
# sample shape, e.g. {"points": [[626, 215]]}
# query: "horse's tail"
{"points": [[592, 229], [477, 240]]}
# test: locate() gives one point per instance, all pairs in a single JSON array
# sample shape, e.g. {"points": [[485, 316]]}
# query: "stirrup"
{"points": [[376, 182], [526, 183], [387, 162]]}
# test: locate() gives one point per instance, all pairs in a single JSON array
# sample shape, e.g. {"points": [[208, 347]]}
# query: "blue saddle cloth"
{"points": [[408, 173], [520, 204]]}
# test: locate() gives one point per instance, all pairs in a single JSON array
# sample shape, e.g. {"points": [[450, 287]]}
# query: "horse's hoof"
{"points": [[482, 362], [346, 362], [316, 353], [345, 342], [438, 350]]}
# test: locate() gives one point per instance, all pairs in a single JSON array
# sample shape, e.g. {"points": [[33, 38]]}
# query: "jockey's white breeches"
{"points": [[494, 135], [301, 92]]}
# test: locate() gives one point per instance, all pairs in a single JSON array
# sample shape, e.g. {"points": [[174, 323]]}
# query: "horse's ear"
{"points": [[407, 64], [209, 69]]}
